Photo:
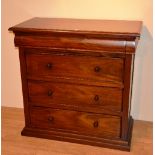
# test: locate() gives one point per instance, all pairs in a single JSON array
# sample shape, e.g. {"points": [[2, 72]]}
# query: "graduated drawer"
{"points": [[70, 67], [83, 97], [75, 122]]}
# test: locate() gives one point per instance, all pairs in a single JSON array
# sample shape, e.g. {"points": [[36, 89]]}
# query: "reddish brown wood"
{"points": [[77, 79], [74, 80], [114, 143], [81, 122], [51, 94], [79, 67], [23, 70], [71, 42], [126, 94], [75, 52], [110, 28]]}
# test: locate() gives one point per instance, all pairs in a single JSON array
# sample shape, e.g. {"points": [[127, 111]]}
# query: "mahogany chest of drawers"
{"points": [[77, 79]]}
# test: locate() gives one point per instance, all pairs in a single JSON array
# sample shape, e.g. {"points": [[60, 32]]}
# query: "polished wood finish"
{"points": [[49, 94], [80, 43], [81, 122], [107, 141], [77, 79], [24, 85], [119, 28], [79, 67]]}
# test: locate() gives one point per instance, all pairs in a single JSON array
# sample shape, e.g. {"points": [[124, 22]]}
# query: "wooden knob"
{"points": [[50, 118], [96, 124], [49, 65], [96, 98], [49, 93], [97, 69]]}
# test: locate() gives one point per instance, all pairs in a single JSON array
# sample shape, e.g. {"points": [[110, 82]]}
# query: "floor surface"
{"points": [[15, 144]]}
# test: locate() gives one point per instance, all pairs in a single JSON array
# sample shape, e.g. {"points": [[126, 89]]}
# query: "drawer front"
{"points": [[81, 96], [76, 122], [79, 67], [79, 43]]}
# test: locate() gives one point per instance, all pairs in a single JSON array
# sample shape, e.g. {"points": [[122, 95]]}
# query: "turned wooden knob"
{"points": [[50, 118], [96, 124], [49, 65], [97, 69], [96, 98], [49, 93]]}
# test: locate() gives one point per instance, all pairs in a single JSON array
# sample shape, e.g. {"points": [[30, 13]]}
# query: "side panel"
{"points": [[24, 85], [128, 74]]}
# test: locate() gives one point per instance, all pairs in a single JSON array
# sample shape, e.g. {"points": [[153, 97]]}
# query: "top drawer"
{"points": [[86, 68]]}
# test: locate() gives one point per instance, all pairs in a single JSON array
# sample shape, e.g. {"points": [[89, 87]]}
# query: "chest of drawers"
{"points": [[77, 79]]}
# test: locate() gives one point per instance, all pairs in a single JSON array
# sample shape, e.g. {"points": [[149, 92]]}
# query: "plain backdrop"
{"points": [[16, 11]]}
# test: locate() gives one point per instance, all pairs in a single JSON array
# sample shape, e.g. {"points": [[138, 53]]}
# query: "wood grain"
{"points": [[77, 74], [73, 42], [24, 85], [84, 26], [127, 94], [81, 123], [51, 94], [80, 67]]}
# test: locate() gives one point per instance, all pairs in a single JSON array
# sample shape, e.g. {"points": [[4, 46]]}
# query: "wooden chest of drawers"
{"points": [[77, 79]]}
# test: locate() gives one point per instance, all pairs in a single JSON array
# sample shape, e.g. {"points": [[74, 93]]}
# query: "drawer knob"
{"points": [[49, 65], [49, 93], [96, 98], [97, 69], [96, 124], [50, 118]]}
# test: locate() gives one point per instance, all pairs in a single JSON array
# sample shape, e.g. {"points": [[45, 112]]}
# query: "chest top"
{"points": [[120, 28], [102, 36]]}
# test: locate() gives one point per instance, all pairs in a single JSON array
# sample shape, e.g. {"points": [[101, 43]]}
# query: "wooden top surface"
{"points": [[112, 27]]}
